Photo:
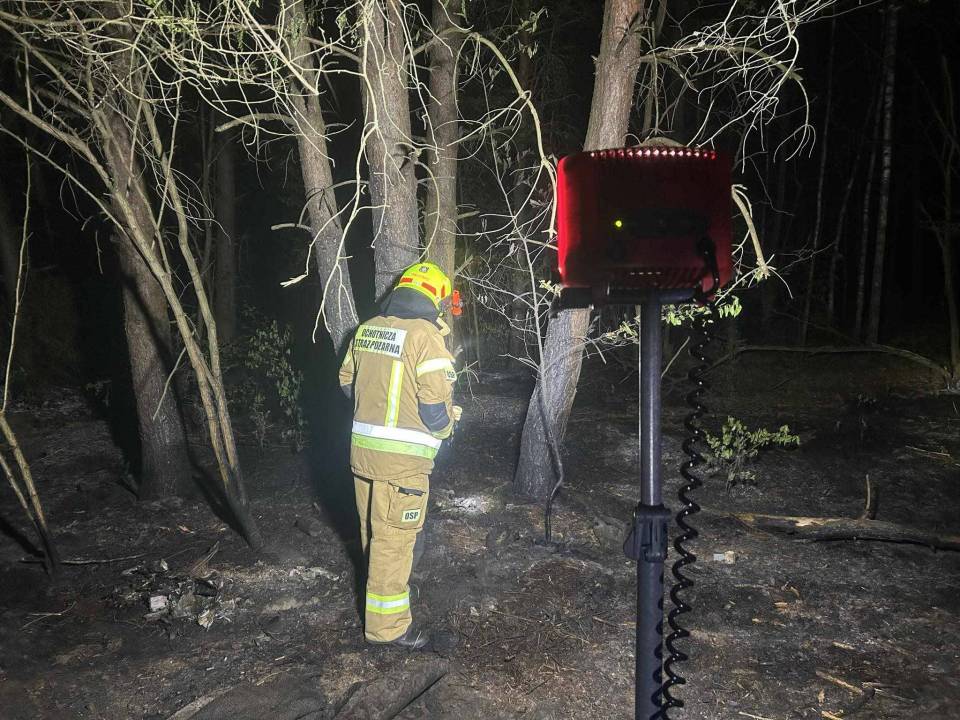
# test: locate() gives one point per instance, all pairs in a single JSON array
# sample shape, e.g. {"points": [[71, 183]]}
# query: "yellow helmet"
{"points": [[429, 279]]}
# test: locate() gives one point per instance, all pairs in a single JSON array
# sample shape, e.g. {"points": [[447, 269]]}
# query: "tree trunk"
{"points": [[890, 76], [836, 253], [164, 464], [9, 253], [339, 310], [865, 226], [440, 206], [563, 349], [164, 457], [225, 274], [818, 217], [838, 238], [130, 200], [947, 232], [389, 146], [440, 213]]}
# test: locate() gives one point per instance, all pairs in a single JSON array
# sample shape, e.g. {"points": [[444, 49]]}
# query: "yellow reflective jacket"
{"points": [[395, 364]]}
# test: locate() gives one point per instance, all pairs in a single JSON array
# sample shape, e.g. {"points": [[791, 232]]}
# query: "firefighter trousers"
{"points": [[391, 516]]}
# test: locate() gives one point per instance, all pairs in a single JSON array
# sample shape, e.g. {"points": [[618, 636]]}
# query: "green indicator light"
{"points": [[618, 223]]}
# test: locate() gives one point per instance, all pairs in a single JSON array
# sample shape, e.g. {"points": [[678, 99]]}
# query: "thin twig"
{"points": [[89, 561], [45, 615]]}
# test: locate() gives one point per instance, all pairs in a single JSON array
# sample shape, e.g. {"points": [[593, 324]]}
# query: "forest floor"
{"points": [[781, 627]]}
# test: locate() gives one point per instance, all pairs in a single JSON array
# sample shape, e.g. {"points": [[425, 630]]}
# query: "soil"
{"points": [[780, 628]]}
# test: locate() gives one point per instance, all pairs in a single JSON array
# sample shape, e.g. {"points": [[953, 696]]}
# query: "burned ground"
{"points": [[782, 628]]}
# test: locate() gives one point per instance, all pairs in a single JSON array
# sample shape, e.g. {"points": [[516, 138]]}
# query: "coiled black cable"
{"points": [[689, 507]]}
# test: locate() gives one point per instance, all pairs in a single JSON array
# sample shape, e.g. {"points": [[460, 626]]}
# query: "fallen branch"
{"points": [[820, 528], [87, 561], [838, 350], [864, 695]]}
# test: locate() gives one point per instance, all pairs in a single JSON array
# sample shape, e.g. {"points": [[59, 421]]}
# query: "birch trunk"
{"points": [[563, 349], [339, 311]]}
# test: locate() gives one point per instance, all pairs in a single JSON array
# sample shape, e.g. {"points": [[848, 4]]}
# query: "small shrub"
{"points": [[271, 381], [260, 417], [737, 446]]}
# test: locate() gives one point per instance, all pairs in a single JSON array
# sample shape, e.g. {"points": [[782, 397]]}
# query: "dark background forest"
{"points": [[201, 200]]}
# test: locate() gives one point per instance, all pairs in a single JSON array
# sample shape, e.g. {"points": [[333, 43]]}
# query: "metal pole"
{"points": [[651, 361], [649, 648], [647, 542]]}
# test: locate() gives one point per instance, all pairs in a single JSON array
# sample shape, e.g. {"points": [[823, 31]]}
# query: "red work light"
{"points": [[632, 220]]}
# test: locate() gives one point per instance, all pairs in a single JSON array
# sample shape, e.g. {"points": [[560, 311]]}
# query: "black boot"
{"points": [[412, 639]]}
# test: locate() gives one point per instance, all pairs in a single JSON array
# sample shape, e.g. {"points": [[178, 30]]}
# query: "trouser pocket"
{"points": [[408, 505]]}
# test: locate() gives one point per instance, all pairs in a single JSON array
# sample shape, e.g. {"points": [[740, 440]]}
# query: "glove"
{"points": [[457, 413]]}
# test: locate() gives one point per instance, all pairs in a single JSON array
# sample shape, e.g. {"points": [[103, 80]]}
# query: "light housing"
{"points": [[631, 220]]}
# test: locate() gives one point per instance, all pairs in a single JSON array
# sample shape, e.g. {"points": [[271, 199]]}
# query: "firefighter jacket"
{"points": [[402, 377]]}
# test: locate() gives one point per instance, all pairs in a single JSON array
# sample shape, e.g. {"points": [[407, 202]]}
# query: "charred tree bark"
{"points": [[389, 148], [339, 311], [225, 241], [880, 247], [164, 464], [563, 350]]}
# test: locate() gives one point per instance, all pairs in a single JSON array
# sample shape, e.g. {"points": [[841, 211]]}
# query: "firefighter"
{"points": [[400, 375]]}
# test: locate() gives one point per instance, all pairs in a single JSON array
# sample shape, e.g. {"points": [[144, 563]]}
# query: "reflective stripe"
{"points": [[435, 364], [394, 433], [394, 446], [393, 394], [388, 604]]}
